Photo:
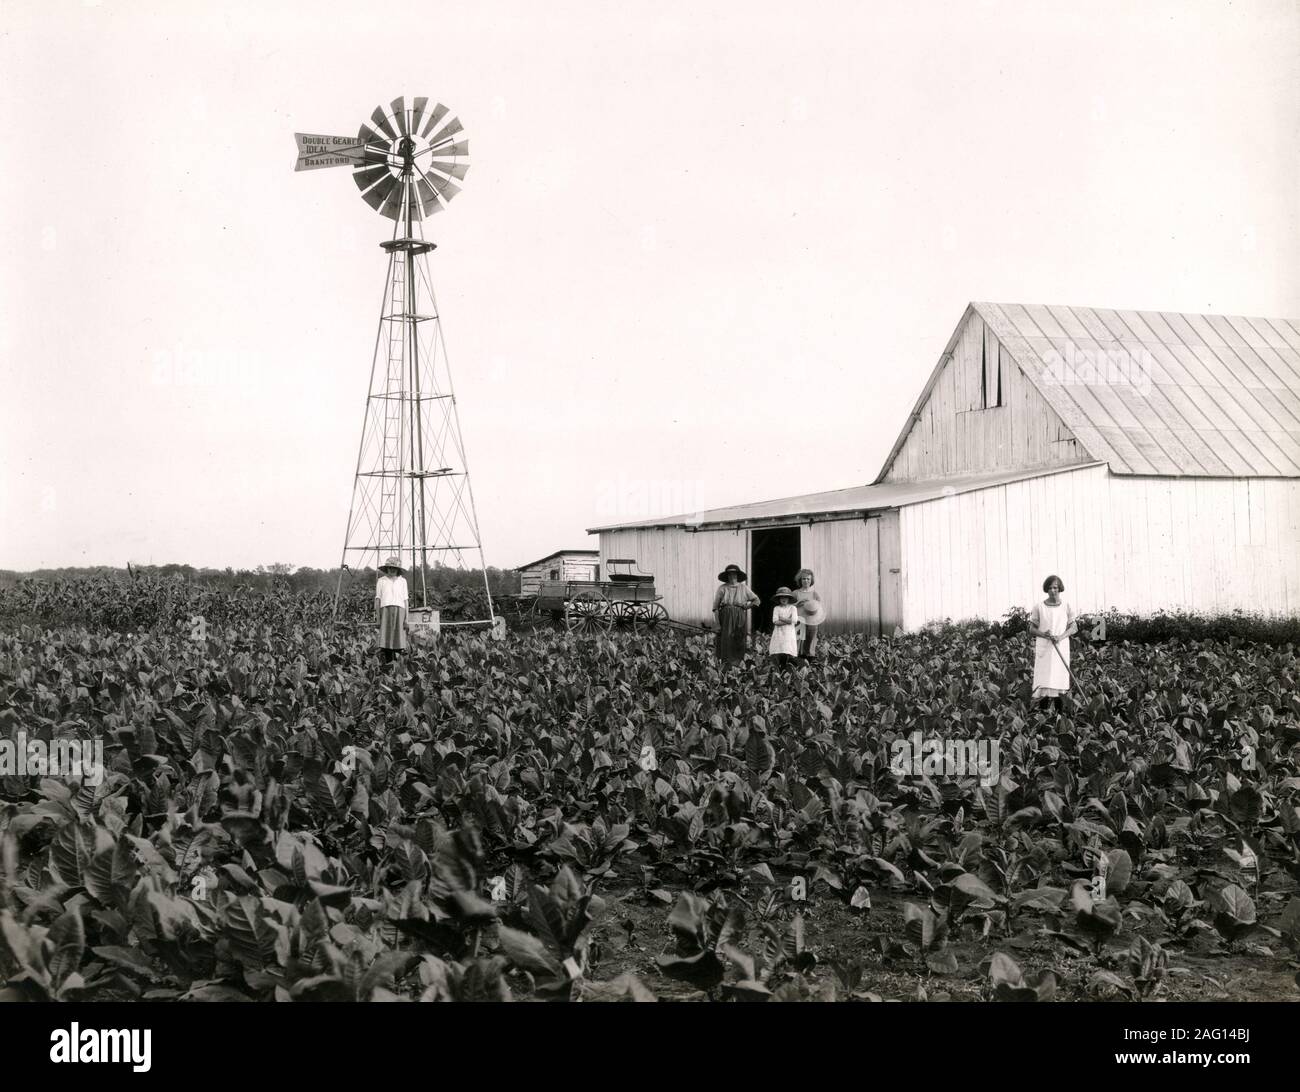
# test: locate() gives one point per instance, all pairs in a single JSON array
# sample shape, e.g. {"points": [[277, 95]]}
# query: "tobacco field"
{"points": [[559, 818]]}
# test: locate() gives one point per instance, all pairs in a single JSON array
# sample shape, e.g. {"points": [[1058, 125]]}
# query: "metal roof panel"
{"points": [[842, 502], [1158, 392]]}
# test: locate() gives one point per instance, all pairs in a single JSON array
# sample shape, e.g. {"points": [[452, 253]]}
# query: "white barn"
{"points": [[1150, 459]]}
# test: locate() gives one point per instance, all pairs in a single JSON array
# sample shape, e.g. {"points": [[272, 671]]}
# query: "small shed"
{"points": [[561, 565]]}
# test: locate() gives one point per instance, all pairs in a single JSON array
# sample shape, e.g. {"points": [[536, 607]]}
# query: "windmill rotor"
{"points": [[406, 160]]}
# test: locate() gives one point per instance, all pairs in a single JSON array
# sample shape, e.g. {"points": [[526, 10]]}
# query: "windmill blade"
{"points": [[446, 188], [449, 130], [392, 205], [368, 176], [399, 113], [368, 136], [439, 112], [375, 155], [427, 197], [378, 194], [382, 123], [418, 112], [457, 170], [452, 149]]}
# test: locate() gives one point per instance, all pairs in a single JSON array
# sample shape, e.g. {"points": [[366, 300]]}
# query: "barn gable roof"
{"points": [[1154, 392]]}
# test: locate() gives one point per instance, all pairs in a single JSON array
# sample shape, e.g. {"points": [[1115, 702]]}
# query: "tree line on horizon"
{"points": [[276, 576]]}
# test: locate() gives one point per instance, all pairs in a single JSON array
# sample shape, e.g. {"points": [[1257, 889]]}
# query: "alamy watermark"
{"points": [[1114, 367], [66, 757], [129, 1046], [626, 498], [916, 756]]}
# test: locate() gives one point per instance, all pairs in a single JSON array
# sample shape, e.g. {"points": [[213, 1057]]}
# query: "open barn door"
{"points": [[774, 559]]}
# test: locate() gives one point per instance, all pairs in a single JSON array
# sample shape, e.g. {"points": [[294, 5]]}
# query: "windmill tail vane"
{"points": [[411, 493]]}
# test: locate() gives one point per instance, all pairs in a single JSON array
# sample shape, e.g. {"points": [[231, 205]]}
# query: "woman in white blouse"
{"points": [[811, 612], [391, 605]]}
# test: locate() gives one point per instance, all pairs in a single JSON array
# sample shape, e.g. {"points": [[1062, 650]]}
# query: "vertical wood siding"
{"points": [[685, 564], [955, 436], [571, 567], [891, 566], [845, 557], [1135, 544]]}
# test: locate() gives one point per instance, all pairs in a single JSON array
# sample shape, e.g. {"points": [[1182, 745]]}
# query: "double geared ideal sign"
{"points": [[328, 151]]}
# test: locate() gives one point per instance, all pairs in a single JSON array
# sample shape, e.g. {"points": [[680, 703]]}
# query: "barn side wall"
{"points": [[1205, 544], [685, 564], [954, 435], [977, 554], [1134, 544], [851, 560]]}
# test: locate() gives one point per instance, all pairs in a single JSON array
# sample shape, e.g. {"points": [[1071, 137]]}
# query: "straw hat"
{"points": [[784, 593], [393, 562], [740, 573]]}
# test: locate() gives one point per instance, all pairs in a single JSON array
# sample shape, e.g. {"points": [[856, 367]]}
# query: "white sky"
{"points": [[702, 257]]}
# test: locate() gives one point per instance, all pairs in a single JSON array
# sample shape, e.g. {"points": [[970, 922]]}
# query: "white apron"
{"points": [[1051, 676]]}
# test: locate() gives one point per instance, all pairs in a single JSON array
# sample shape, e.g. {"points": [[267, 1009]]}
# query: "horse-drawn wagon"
{"points": [[625, 599]]}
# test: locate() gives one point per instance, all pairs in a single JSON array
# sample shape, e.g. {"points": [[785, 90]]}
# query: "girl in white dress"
{"points": [[784, 644], [1051, 623]]}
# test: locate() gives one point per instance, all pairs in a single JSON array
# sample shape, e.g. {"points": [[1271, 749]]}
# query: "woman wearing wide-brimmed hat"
{"points": [[784, 645], [391, 604], [731, 605]]}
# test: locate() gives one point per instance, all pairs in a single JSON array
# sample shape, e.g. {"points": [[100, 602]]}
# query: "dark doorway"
{"points": [[774, 559]]}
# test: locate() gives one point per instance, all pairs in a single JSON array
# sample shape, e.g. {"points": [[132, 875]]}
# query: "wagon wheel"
{"points": [[653, 615], [587, 612], [623, 615]]}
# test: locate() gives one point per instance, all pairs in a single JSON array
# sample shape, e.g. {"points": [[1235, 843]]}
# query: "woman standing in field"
{"points": [[811, 612], [1051, 623], [391, 605], [731, 604]]}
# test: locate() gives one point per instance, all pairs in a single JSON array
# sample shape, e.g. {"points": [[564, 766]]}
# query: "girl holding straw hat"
{"points": [[811, 612], [391, 605], [784, 645], [731, 604]]}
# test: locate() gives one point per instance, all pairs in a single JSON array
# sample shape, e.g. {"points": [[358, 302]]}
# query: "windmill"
{"points": [[411, 495]]}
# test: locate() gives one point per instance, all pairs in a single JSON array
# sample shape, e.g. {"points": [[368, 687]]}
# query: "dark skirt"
{"points": [[731, 633], [392, 628]]}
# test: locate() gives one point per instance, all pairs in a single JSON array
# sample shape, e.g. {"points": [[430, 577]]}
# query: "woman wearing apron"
{"points": [[1051, 623], [731, 605]]}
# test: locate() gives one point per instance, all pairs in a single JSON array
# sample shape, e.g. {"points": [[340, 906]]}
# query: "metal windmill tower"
{"points": [[411, 495]]}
